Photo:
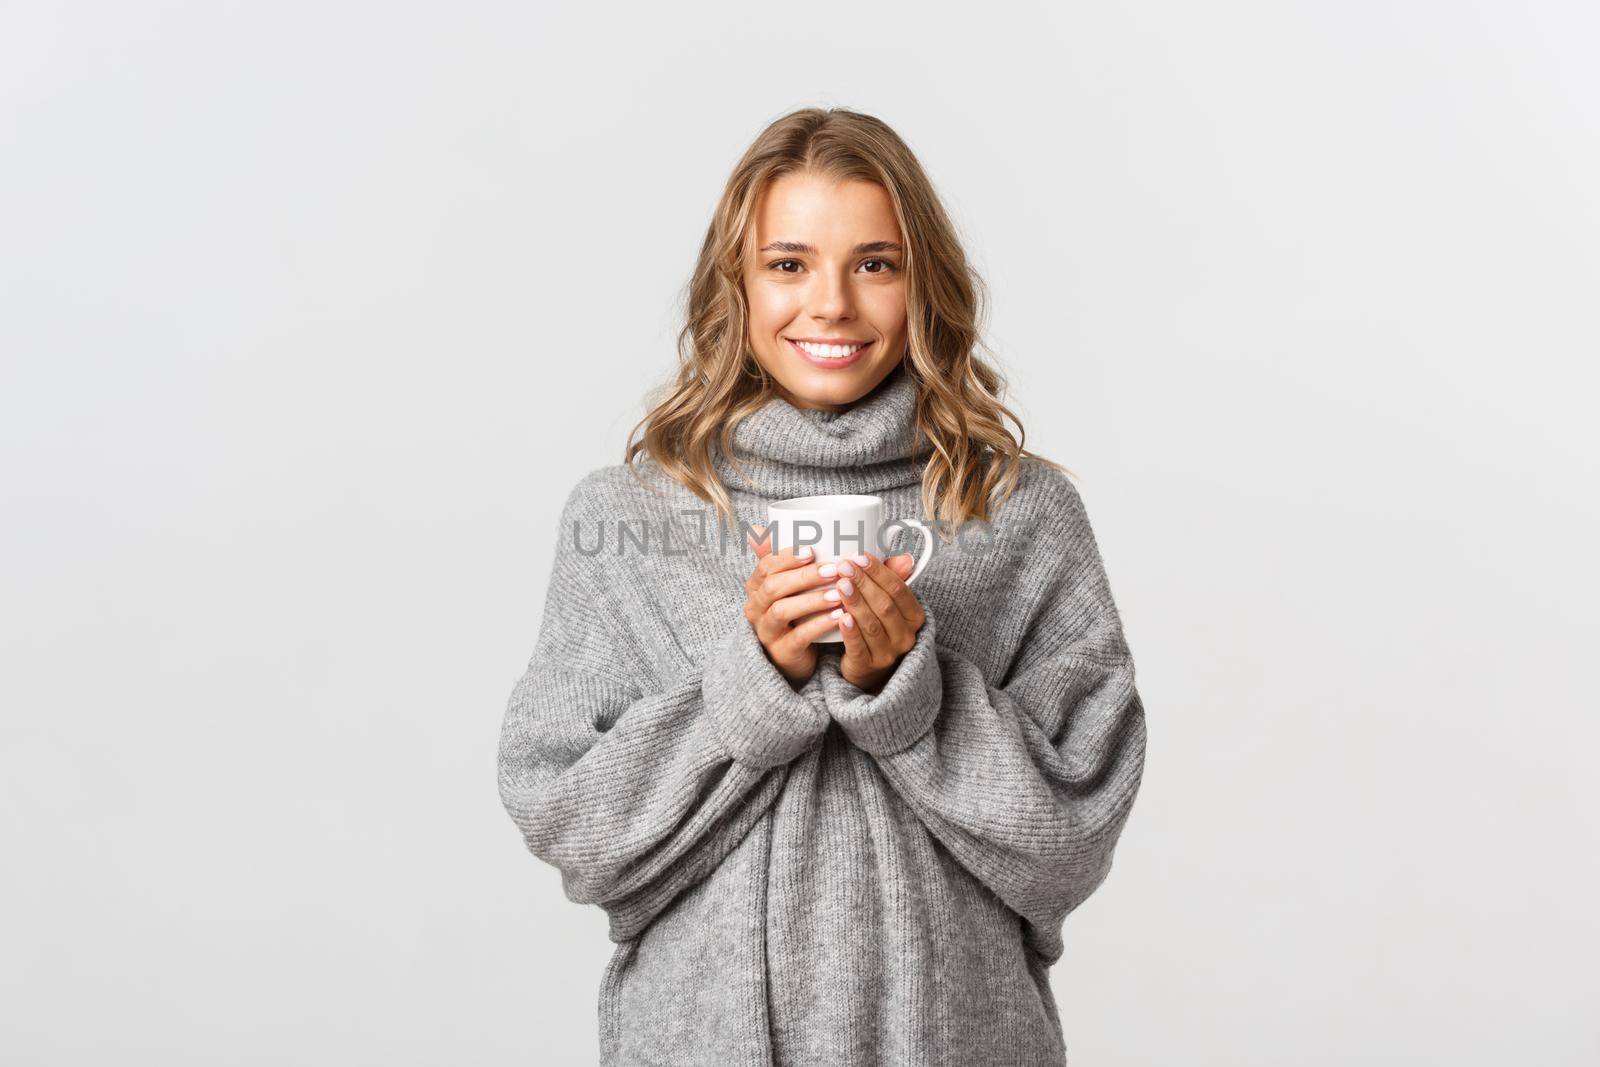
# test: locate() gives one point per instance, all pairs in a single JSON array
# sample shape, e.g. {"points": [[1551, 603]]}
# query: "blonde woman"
{"points": [[829, 854]]}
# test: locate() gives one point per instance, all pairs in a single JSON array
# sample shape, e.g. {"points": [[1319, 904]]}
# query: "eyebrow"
{"points": [[800, 248]]}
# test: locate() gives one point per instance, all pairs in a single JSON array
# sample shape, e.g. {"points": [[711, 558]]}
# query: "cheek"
{"points": [[888, 313], [769, 311]]}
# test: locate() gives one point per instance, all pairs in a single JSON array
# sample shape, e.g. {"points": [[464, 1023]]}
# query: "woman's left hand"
{"points": [[879, 618]]}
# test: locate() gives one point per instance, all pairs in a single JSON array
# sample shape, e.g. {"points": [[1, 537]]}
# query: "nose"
{"points": [[830, 296]]}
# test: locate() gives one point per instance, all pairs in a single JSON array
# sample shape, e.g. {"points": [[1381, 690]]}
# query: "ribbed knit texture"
{"points": [[825, 876]]}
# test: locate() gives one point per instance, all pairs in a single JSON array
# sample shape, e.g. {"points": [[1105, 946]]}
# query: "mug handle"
{"points": [[927, 545]]}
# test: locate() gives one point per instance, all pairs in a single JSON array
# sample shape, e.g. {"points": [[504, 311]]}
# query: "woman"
{"points": [[825, 854]]}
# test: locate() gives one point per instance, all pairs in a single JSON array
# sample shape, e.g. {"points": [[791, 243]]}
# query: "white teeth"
{"points": [[829, 351]]}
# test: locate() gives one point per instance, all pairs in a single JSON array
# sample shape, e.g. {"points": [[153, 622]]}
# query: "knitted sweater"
{"points": [[824, 876]]}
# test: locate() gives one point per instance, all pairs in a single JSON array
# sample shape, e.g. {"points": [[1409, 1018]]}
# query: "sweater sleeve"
{"points": [[1027, 783], [635, 790]]}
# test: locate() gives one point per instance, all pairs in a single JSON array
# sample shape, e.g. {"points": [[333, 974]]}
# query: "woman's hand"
{"points": [[881, 622], [784, 603]]}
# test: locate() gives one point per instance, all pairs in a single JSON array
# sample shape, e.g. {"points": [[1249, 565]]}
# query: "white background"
{"points": [[311, 314]]}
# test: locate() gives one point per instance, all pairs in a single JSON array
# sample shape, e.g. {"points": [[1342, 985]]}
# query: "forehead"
{"points": [[824, 212]]}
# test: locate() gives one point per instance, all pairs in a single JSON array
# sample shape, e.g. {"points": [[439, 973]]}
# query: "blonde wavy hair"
{"points": [[976, 462]]}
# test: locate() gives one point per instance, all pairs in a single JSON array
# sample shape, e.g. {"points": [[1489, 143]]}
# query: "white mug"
{"points": [[837, 527]]}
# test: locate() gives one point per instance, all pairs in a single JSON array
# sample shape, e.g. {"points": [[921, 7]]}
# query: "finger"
{"points": [[855, 648], [872, 629], [778, 617], [776, 564], [891, 585], [759, 541], [798, 606], [787, 559], [874, 575], [768, 627], [802, 634], [802, 577]]}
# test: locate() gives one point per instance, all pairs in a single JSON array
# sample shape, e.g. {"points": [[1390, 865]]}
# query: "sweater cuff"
{"points": [[763, 720], [902, 711]]}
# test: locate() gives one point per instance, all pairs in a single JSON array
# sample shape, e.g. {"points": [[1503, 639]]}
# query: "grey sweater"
{"points": [[824, 876]]}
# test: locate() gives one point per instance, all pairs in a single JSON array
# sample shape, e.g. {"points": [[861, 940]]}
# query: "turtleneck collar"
{"points": [[787, 451]]}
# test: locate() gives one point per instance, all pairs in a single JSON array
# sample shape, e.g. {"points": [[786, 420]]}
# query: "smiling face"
{"points": [[828, 268]]}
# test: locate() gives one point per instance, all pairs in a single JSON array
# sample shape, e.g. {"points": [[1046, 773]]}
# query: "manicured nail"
{"points": [[846, 587], [831, 595], [848, 623], [844, 567], [803, 552], [865, 561], [828, 570], [835, 613]]}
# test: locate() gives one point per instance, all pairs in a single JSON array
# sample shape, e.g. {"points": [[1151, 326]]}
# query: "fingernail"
{"points": [[827, 570], [848, 623], [846, 587], [831, 595], [803, 552], [865, 561], [835, 613], [844, 567]]}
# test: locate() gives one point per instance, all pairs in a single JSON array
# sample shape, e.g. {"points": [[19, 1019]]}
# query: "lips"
{"points": [[824, 361]]}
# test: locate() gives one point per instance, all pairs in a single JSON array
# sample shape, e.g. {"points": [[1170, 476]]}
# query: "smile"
{"points": [[829, 355]]}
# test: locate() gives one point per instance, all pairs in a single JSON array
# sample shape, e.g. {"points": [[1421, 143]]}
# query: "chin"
{"points": [[838, 387]]}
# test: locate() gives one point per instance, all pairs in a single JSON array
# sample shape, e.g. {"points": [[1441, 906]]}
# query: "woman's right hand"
{"points": [[784, 603]]}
